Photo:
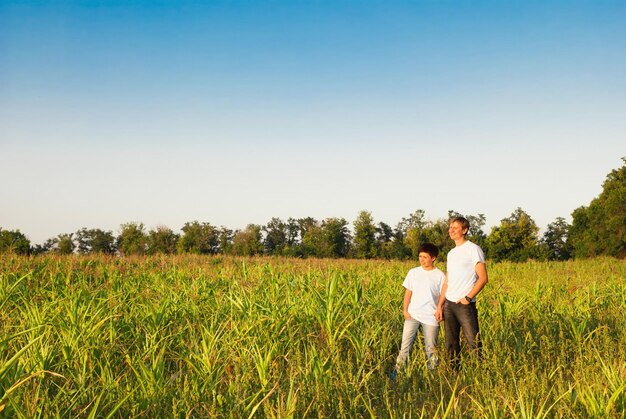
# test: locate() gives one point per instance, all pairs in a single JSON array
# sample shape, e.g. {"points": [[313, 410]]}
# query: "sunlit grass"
{"points": [[219, 336]]}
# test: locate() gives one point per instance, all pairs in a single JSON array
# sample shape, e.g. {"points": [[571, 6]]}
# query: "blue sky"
{"points": [[233, 112]]}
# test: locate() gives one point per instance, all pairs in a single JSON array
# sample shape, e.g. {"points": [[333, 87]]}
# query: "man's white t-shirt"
{"points": [[425, 287], [461, 268]]}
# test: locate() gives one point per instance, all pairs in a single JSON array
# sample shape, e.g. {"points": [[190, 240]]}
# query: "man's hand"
{"points": [[439, 314], [406, 314]]}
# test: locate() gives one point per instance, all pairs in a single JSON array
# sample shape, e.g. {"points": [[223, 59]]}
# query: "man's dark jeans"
{"points": [[459, 317]]}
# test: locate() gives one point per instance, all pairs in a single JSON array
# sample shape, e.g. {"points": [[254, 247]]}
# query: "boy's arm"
{"points": [[405, 303], [442, 300]]}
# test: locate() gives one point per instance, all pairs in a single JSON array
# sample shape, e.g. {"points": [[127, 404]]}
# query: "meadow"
{"points": [[197, 336]]}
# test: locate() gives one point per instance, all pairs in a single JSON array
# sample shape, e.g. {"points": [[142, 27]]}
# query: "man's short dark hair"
{"points": [[461, 220], [429, 248]]}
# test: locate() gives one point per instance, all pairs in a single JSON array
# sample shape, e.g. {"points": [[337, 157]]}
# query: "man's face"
{"points": [[455, 230]]}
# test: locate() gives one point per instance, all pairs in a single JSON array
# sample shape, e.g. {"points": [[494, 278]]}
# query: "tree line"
{"points": [[597, 229]]}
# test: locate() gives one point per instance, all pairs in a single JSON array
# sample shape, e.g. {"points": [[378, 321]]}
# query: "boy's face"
{"points": [[426, 260]]}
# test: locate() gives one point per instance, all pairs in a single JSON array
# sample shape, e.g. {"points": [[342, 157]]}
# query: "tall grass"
{"points": [[193, 336]]}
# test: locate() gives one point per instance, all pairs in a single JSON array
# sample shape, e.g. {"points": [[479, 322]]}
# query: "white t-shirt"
{"points": [[461, 268], [425, 287]]}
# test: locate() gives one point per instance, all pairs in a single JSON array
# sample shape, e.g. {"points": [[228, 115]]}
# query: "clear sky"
{"points": [[234, 112]]}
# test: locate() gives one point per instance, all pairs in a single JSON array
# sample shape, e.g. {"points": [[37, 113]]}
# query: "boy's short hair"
{"points": [[429, 248], [461, 220]]}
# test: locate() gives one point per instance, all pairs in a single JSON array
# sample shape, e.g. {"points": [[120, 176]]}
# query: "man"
{"points": [[465, 278]]}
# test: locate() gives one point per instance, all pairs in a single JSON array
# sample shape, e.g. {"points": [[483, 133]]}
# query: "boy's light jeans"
{"points": [[409, 333]]}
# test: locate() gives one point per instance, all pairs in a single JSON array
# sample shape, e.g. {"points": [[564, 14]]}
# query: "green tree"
{"points": [[95, 240], [13, 241], [364, 243], [65, 244], [276, 233], [296, 230], [582, 238], [337, 237], [329, 240], [413, 240], [437, 233], [48, 246], [248, 242], [132, 239], [198, 238], [384, 241], [384, 233], [515, 239], [600, 229], [162, 240], [416, 220], [226, 236], [305, 223], [62, 244], [397, 248], [554, 241], [411, 229]]}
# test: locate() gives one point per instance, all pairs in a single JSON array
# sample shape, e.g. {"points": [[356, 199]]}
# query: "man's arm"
{"points": [[481, 271], [442, 300], [405, 304]]}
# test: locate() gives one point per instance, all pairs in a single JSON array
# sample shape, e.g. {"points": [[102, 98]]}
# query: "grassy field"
{"points": [[231, 337]]}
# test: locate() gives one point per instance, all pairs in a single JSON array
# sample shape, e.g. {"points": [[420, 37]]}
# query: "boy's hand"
{"points": [[406, 314]]}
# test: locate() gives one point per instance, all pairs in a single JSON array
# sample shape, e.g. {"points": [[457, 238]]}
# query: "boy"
{"points": [[466, 276], [423, 286]]}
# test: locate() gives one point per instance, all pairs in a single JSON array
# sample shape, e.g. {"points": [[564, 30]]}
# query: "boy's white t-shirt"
{"points": [[461, 269], [425, 287]]}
